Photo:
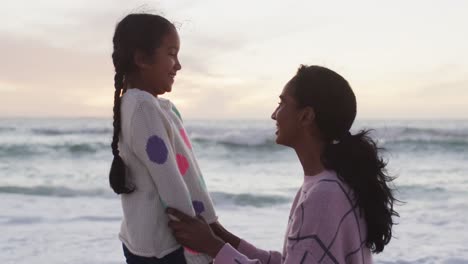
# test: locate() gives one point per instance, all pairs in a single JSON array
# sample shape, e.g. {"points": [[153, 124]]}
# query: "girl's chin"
{"points": [[169, 86], [168, 89], [278, 139]]}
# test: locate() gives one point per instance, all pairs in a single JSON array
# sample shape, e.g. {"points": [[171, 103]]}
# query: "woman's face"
{"points": [[286, 116]]}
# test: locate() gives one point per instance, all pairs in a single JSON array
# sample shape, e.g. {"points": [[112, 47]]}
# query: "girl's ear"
{"points": [[307, 116], [141, 59]]}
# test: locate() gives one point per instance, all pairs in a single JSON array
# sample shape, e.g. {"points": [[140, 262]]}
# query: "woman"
{"points": [[343, 211]]}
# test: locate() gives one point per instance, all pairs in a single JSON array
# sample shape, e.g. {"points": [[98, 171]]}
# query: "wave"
{"points": [[238, 143], [16, 150], [84, 148], [424, 139], [421, 144], [423, 135], [28, 150], [261, 134], [250, 136], [81, 131], [56, 191], [386, 135], [219, 198], [22, 220], [235, 137], [247, 199], [7, 129], [415, 192], [28, 220]]}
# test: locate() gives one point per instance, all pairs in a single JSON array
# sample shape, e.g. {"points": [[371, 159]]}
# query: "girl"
{"points": [[154, 166], [344, 209]]}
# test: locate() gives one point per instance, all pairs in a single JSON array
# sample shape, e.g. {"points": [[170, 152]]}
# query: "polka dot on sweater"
{"points": [[185, 138], [156, 150], [182, 163], [199, 207]]}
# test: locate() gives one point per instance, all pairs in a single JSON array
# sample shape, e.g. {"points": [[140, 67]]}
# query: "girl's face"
{"points": [[164, 65], [287, 118]]}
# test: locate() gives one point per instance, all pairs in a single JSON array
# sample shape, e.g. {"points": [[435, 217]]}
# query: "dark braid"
{"points": [[117, 172], [136, 32], [118, 84]]}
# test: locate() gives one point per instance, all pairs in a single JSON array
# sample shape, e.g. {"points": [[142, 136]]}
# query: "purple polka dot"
{"points": [[199, 207], [156, 150]]}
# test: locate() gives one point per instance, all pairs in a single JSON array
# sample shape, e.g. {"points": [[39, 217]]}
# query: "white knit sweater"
{"points": [[161, 165]]}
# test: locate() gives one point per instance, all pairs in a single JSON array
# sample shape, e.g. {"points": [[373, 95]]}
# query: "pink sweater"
{"points": [[325, 226]]}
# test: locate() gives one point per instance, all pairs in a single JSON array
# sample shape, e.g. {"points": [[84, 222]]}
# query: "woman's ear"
{"points": [[307, 116]]}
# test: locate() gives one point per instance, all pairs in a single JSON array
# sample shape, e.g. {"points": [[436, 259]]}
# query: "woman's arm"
{"points": [[196, 234], [225, 235]]}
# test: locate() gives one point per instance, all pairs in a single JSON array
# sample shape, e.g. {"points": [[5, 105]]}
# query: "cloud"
{"points": [[34, 63], [237, 55]]}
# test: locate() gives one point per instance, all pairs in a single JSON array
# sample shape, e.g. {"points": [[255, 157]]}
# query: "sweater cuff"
{"points": [[226, 254]]}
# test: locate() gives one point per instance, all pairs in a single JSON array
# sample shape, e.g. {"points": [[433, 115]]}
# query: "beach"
{"points": [[57, 206]]}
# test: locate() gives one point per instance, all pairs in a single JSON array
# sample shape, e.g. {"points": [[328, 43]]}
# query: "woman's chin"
{"points": [[281, 141], [278, 140]]}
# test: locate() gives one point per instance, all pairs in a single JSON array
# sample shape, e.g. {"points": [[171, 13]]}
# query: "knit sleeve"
{"points": [[151, 142]]}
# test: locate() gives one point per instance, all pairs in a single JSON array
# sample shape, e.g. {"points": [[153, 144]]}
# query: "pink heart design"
{"points": [[182, 163], [186, 139]]}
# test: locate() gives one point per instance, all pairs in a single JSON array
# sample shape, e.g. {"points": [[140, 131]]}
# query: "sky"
{"points": [[405, 59]]}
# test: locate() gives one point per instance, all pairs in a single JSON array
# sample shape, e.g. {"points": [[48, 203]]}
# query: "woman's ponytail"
{"points": [[356, 160]]}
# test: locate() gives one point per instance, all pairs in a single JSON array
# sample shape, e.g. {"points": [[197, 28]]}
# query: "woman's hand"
{"points": [[194, 233]]}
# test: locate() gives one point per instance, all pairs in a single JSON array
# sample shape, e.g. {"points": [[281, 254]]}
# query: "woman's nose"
{"points": [[273, 115]]}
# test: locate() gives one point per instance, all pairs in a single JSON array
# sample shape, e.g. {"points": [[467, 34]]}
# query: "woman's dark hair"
{"points": [[136, 32], [355, 158]]}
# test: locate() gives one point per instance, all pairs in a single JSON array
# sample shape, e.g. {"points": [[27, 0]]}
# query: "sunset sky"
{"points": [[403, 58]]}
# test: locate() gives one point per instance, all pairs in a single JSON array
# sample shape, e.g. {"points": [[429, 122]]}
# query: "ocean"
{"points": [[56, 205]]}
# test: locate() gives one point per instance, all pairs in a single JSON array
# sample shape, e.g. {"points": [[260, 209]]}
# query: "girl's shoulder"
{"points": [[139, 97]]}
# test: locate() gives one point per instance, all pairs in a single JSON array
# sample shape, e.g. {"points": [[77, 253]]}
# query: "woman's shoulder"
{"points": [[327, 188]]}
